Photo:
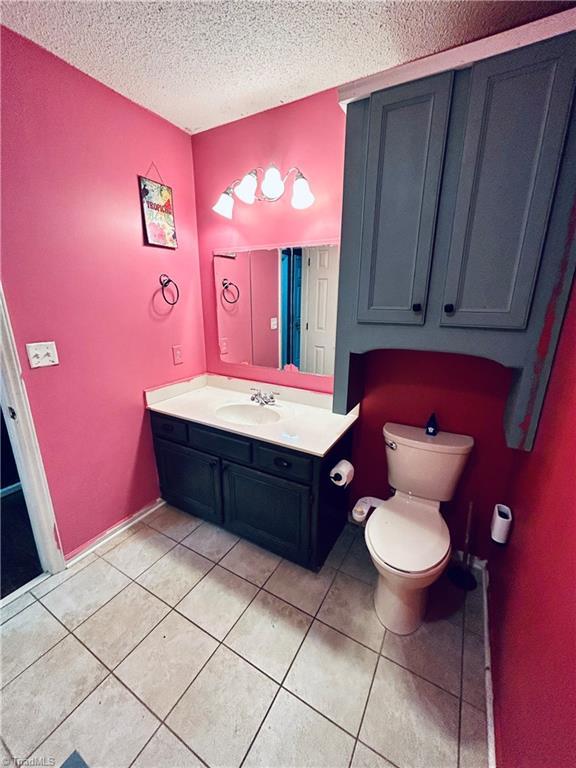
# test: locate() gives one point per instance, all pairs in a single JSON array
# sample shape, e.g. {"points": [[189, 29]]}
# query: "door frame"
{"points": [[26, 449]]}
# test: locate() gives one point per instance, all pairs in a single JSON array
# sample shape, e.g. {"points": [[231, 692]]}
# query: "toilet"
{"points": [[406, 535]]}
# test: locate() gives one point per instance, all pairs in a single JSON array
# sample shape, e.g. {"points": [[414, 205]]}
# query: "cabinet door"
{"points": [[190, 480], [406, 139], [268, 510], [517, 118]]}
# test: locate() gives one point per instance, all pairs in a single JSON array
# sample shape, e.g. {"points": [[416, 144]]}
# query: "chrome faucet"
{"points": [[262, 398]]}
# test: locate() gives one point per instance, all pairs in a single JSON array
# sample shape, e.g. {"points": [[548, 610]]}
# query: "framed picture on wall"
{"points": [[157, 213]]}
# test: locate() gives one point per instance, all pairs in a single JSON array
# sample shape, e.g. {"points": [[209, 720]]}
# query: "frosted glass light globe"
{"points": [[246, 190], [302, 196], [225, 205], [272, 184]]}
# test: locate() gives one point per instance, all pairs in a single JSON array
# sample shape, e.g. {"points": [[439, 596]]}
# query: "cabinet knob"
{"points": [[417, 307], [282, 463], [449, 309]]}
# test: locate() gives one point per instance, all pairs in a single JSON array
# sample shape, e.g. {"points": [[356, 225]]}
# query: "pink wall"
{"points": [[307, 133], [533, 587], [264, 281], [234, 320], [75, 270]]}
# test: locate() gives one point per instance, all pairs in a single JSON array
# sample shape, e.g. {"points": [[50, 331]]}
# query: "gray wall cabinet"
{"points": [[456, 237]]}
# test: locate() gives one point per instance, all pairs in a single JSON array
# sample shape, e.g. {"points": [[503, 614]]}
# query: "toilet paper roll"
{"points": [[342, 473], [501, 523]]}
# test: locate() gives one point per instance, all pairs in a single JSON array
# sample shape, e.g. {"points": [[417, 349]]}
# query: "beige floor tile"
{"points": [[118, 538], [333, 674], [303, 588], [410, 721], [434, 651], [341, 547], [79, 597], [473, 738], [115, 630], [250, 562], [367, 758], [59, 578], [473, 674], [174, 575], [15, 606], [210, 541], [173, 522], [474, 609], [269, 634], [41, 697], [164, 750], [108, 729], [160, 669], [349, 607], [26, 637], [295, 736], [139, 552], [216, 603], [222, 710], [5, 757], [358, 562]]}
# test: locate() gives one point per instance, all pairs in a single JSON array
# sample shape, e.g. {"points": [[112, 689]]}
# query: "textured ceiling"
{"points": [[201, 64]]}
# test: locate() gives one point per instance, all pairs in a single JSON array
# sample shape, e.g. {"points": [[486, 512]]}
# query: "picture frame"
{"points": [[157, 213]]}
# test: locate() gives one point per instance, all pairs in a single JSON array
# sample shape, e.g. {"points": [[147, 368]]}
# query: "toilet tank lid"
{"points": [[415, 437]]}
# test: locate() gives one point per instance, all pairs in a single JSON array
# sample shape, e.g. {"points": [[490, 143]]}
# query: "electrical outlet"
{"points": [[42, 353], [177, 354]]}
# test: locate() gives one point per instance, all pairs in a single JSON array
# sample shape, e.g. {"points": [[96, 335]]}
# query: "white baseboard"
{"points": [[488, 676], [112, 532]]}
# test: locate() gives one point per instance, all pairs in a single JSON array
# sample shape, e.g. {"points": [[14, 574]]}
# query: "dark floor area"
{"points": [[19, 562]]}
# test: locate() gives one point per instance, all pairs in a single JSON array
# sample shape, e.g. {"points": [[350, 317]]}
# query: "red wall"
{"points": [[264, 283], [533, 587], [468, 395], [308, 134], [75, 270]]}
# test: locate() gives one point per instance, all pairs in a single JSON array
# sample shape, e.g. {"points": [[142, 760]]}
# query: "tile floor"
{"points": [[177, 645]]}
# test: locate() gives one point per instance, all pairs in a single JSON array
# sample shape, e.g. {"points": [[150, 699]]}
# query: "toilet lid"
{"points": [[408, 535]]}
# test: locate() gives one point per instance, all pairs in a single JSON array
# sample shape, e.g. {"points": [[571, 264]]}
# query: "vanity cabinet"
{"points": [[458, 192], [277, 497]]}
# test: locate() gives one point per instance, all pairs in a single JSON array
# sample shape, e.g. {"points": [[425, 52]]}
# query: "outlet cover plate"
{"points": [[42, 353], [177, 354]]}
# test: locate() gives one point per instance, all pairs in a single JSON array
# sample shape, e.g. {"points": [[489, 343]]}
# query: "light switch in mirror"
{"points": [[277, 307]]}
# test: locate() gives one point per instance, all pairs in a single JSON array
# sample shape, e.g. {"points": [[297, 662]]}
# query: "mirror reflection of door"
{"points": [[280, 307]]}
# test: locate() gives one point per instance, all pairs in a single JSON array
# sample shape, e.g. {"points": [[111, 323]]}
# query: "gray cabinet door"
{"points": [[407, 134], [517, 118]]}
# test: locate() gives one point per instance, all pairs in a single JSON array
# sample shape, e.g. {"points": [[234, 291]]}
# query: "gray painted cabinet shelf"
{"points": [[456, 233], [279, 498]]}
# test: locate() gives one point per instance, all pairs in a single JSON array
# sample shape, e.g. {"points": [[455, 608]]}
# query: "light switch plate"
{"points": [[177, 354], [273, 323], [42, 353]]}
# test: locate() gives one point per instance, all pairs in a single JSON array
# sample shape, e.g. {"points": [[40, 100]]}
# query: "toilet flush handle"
{"points": [[391, 444]]}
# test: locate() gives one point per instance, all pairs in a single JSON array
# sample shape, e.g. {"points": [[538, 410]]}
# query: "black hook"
{"points": [[165, 281]]}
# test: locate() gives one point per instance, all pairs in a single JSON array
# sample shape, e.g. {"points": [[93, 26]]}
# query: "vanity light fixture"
{"points": [[272, 187]]}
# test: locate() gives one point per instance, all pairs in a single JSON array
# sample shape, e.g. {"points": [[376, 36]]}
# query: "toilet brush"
{"points": [[460, 573]]}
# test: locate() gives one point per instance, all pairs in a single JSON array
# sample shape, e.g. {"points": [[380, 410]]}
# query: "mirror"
{"points": [[277, 307]]}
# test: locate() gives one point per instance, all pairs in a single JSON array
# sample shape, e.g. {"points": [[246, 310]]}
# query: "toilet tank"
{"points": [[424, 465]]}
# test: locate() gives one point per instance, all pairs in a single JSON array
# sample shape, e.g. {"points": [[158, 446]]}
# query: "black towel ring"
{"points": [[228, 285], [165, 281]]}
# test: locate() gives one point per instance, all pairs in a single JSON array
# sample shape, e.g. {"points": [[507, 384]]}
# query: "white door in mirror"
{"points": [[42, 353]]}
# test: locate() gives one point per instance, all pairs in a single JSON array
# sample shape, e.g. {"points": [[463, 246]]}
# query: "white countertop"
{"points": [[306, 420]]}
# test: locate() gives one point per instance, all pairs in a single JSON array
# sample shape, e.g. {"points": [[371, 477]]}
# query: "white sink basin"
{"points": [[247, 414]]}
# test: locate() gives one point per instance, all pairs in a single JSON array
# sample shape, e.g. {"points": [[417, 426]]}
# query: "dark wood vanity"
{"points": [[279, 498]]}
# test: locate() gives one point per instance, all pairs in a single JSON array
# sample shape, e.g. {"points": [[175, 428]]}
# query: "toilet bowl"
{"points": [[406, 535]]}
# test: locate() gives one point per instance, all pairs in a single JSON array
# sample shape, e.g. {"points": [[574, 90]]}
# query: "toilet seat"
{"points": [[408, 535]]}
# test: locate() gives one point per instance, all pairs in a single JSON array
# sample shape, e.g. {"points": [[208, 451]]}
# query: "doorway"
{"points": [[19, 560]]}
